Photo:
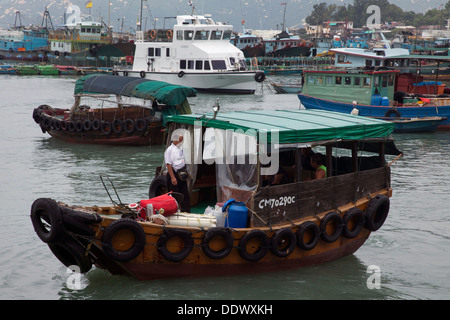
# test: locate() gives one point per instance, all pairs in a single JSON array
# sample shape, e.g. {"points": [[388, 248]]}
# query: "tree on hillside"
{"points": [[357, 12]]}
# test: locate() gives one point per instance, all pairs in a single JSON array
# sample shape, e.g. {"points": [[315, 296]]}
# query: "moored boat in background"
{"points": [[115, 110], [197, 52]]}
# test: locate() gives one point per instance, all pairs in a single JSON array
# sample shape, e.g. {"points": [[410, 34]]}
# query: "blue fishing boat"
{"points": [[370, 93]]}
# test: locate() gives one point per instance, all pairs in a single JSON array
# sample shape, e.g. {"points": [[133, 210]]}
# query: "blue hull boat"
{"points": [[386, 112]]}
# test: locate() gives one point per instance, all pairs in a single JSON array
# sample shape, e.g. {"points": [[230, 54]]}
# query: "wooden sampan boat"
{"points": [[299, 223], [116, 111]]}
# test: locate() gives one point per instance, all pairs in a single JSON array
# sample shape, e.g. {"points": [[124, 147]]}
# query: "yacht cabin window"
{"points": [[227, 35], [216, 34], [201, 35], [151, 52], [206, 65], [188, 34], [218, 64], [179, 35]]}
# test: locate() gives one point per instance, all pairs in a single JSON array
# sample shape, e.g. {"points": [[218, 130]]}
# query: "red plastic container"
{"points": [[165, 205]]}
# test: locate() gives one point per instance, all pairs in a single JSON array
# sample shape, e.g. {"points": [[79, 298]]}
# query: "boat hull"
{"points": [[220, 82], [147, 251], [108, 131], [310, 102]]}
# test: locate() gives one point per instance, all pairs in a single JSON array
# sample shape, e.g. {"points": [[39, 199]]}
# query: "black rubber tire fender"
{"points": [[283, 242], [106, 128], [96, 124], [87, 125], [377, 212], [260, 252], [158, 186], [185, 235], [392, 111], [180, 74], [78, 221], [353, 221], [211, 233], [46, 218], [142, 74], [141, 124], [71, 253], [307, 227], [117, 126], [260, 76], [71, 126], [334, 218], [134, 250], [129, 126], [78, 126]]}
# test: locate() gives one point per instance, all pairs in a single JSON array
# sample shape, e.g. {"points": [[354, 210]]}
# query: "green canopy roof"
{"points": [[163, 92], [295, 126]]}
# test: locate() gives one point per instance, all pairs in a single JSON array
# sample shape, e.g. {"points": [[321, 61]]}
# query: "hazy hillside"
{"points": [[258, 14]]}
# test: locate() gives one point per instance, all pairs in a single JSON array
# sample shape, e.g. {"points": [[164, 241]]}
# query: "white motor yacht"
{"points": [[197, 52]]}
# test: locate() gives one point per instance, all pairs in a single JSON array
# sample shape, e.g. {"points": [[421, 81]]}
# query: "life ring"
{"points": [[353, 221], [134, 250], [106, 128], [283, 242], [308, 235], [169, 34], [117, 126], [261, 250], [185, 235], [96, 124], [70, 253], [158, 186], [153, 34], [180, 74], [46, 219], [377, 212], [260, 76], [129, 126], [392, 111], [210, 234], [142, 74], [141, 124], [78, 126], [87, 125], [334, 220]]}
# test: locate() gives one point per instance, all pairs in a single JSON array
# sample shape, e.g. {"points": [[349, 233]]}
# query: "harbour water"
{"points": [[408, 258]]}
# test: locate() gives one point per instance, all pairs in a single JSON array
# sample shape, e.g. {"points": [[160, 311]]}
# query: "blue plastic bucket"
{"points": [[237, 214]]}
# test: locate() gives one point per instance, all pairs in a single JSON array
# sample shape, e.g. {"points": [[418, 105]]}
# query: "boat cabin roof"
{"points": [[293, 126], [163, 92]]}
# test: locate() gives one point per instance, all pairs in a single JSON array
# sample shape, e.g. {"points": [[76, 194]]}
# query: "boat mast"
{"points": [[284, 17], [140, 17]]}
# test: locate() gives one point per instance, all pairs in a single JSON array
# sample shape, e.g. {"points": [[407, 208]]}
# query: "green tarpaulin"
{"points": [[295, 126], [163, 92]]}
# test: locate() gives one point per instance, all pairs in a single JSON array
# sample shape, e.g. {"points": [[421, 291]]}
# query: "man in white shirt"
{"points": [[175, 163]]}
